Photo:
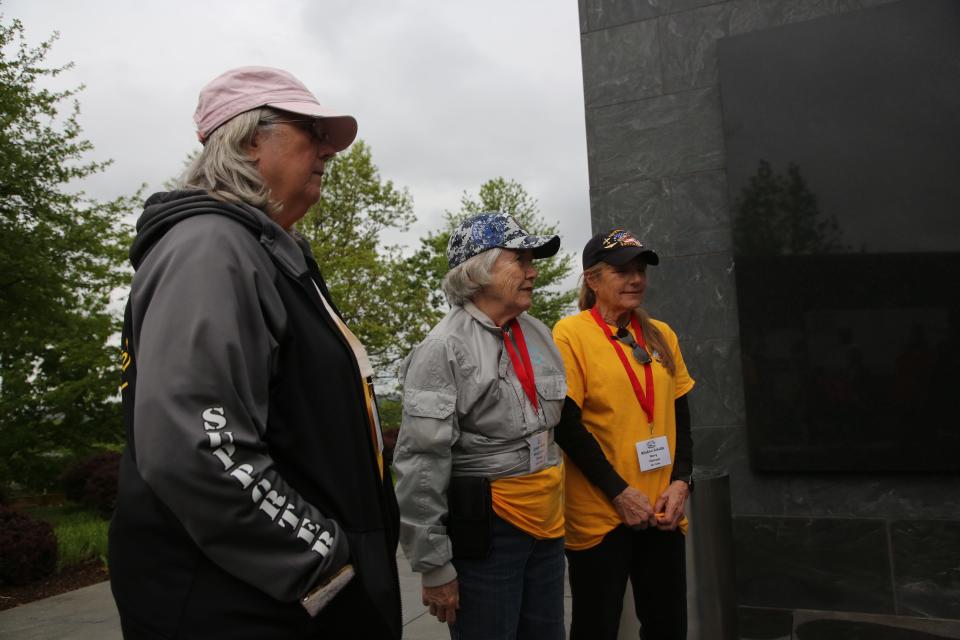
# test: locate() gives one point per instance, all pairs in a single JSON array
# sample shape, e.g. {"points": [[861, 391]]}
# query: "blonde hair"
{"points": [[654, 338], [224, 168]]}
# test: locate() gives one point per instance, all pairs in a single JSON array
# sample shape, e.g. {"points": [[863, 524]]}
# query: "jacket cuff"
{"points": [[440, 575], [612, 484]]}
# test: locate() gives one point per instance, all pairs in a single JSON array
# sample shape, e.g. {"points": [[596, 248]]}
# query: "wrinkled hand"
{"points": [[443, 601], [670, 504], [634, 509]]}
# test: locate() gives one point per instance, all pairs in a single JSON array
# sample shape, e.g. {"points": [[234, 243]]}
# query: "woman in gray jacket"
{"points": [[479, 477]]}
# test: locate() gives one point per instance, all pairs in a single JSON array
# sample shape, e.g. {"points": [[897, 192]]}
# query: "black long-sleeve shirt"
{"points": [[585, 452]]}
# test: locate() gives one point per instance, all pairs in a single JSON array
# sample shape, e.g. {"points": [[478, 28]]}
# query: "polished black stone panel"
{"points": [[926, 567], [842, 167], [663, 136], [765, 624], [860, 630], [717, 398], [624, 64], [602, 14], [844, 495], [695, 295], [689, 39], [801, 563], [753, 15], [832, 625], [677, 216]]}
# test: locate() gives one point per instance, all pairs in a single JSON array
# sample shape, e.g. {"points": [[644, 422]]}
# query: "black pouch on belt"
{"points": [[470, 511]]}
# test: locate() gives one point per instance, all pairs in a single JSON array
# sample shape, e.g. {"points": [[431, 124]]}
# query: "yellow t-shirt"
{"points": [[532, 503], [597, 382]]}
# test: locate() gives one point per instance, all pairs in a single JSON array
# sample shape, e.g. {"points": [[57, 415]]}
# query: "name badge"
{"points": [[653, 453], [538, 445]]}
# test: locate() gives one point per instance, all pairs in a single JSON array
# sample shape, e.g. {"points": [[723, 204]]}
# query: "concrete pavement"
{"points": [[90, 614]]}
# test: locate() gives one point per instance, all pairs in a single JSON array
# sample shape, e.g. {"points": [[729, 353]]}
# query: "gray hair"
{"points": [[467, 278], [224, 169]]}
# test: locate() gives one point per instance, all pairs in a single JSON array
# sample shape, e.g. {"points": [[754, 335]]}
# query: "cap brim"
{"points": [[541, 246], [341, 128], [623, 255]]}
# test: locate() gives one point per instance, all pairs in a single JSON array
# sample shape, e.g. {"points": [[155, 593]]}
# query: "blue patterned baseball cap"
{"points": [[492, 230]]}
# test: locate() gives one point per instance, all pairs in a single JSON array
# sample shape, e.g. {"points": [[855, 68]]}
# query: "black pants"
{"points": [[655, 563]]}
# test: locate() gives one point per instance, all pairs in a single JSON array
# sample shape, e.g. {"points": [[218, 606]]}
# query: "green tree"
{"points": [[428, 264], [61, 255], [380, 300]]}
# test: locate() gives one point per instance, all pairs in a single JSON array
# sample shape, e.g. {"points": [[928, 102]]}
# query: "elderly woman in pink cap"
{"points": [[253, 500]]}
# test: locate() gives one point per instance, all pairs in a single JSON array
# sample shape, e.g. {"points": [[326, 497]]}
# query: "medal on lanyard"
{"points": [[645, 398], [521, 363]]}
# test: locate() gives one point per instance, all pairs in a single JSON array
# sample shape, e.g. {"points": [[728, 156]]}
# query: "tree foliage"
{"points": [[61, 255], [379, 299], [429, 263]]}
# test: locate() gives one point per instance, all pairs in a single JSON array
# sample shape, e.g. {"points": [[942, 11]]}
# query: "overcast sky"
{"points": [[447, 94]]}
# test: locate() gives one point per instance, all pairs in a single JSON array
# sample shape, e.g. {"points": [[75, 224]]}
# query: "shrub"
{"points": [[93, 481], [28, 548], [389, 444], [100, 490]]}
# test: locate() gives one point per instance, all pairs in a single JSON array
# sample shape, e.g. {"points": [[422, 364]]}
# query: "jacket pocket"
{"points": [[429, 403], [552, 391]]}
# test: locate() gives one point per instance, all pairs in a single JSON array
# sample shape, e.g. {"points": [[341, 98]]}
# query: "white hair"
{"points": [[224, 168], [467, 278]]}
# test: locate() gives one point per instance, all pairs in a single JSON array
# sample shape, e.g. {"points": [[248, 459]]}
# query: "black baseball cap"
{"points": [[616, 247]]}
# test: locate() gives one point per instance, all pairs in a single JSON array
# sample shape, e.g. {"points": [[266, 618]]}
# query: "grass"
{"points": [[81, 533]]}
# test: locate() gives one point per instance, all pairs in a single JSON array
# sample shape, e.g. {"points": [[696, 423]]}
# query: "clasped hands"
{"points": [[636, 512]]}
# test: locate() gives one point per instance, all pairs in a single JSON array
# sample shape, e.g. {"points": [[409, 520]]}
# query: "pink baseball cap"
{"points": [[240, 90]]}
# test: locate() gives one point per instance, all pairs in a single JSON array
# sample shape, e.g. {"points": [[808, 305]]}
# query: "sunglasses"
{"points": [[639, 353], [312, 126]]}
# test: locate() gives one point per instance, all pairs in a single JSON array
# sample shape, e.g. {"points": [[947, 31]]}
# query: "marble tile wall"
{"points": [[862, 543]]}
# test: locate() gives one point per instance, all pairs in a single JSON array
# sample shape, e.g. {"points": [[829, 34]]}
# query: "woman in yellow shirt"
{"points": [[626, 430]]}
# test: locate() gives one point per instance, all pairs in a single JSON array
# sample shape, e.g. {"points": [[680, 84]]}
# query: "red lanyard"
{"points": [[521, 363], [645, 399]]}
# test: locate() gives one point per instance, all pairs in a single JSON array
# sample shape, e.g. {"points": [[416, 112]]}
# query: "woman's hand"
{"points": [[670, 504], [634, 508], [443, 601]]}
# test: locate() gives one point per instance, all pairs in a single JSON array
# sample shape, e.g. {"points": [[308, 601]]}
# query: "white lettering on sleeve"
{"points": [[243, 473], [308, 530], [214, 419], [218, 438], [257, 493], [272, 504], [225, 455], [288, 518], [323, 543]]}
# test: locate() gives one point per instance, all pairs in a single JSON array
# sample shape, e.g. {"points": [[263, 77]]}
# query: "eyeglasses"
{"points": [[639, 353], [312, 126]]}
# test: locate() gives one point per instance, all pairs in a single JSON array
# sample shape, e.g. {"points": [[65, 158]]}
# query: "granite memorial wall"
{"points": [[793, 163]]}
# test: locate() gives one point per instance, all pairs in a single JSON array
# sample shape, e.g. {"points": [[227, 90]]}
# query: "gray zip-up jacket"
{"points": [[466, 414]]}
